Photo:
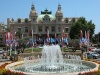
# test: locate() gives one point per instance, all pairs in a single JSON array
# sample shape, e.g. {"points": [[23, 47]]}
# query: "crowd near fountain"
{"points": [[52, 61]]}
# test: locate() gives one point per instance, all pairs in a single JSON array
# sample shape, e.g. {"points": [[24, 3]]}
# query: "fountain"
{"points": [[52, 62]]}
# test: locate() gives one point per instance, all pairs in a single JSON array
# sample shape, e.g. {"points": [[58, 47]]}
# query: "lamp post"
{"points": [[32, 41], [10, 48]]}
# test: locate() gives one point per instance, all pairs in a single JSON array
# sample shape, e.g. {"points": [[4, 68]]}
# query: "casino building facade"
{"points": [[40, 23]]}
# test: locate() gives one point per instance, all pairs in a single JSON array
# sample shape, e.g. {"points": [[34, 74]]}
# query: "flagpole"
{"points": [[15, 42], [15, 46], [62, 39], [32, 41], [10, 49], [55, 38]]}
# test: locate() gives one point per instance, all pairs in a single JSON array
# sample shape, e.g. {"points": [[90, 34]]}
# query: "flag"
{"points": [[16, 43], [32, 33], [9, 38], [15, 34], [48, 33], [62, 38], [66, 40], [52, 40], [22, 36], [85, 39], [66, 35], [55, 38], [63, 33], [55, 35], [88, 36], [39, 37], [81, 34], [34, 40], [48, 37], [85, 35], [28, 42], [44, 39]]}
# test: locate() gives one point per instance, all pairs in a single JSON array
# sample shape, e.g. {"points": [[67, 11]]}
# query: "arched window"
{"points": [[66, 20], [26, 20], [19, 20]]}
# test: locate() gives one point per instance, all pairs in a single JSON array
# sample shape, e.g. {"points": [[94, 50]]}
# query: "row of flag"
{"points": [[84, 40], [51, 40], [11, 39]]}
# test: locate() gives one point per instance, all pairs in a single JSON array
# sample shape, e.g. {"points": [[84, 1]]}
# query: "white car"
{"points": [[1, 51], [92, 48], [95, 49]]}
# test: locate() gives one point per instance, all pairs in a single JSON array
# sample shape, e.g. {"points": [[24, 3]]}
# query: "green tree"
{"points": [[81, 24], [19, 33]]}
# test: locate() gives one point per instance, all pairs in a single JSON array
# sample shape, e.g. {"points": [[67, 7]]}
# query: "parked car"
{"points": [[1, 51], [98, 51], [91, 48], [93, 55]]}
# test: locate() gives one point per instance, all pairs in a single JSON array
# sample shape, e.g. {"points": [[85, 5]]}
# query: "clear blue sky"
{"points": [[90, 9]]}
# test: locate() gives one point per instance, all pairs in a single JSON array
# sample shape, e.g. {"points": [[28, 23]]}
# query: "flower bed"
{"points": [[92, 72], [3, 71]]}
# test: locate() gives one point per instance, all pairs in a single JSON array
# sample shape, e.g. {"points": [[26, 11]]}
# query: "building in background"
{"points": [[40, 23], [3, 28]]}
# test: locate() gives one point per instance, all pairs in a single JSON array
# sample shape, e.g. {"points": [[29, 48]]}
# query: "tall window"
{"points": [[33, 29], [19, 20], [66, 20], [53, 29], [26, 29], [40, 29], [26, 20], [66, 29], [59, 29], [1, 40]]}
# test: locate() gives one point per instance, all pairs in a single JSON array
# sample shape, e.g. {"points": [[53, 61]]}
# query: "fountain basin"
{"points": [[94, 67], [52, 62]]}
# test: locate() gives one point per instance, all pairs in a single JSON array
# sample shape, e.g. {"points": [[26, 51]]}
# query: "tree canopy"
{"points": [[19, 33], [81, 24]]}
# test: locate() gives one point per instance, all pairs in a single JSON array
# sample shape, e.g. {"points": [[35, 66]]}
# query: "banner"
{"points": [[9, 38]]}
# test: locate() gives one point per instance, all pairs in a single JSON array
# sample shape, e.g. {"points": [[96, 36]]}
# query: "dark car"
{"points": [[93, 55], [98, 51]]}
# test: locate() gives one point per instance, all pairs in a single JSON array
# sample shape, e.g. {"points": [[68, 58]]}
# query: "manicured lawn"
{"points": [[29, 50], [40, 49], [34, 50]]}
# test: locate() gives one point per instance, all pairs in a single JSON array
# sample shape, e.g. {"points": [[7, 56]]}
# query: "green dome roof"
{"points": [[40, 17]]}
